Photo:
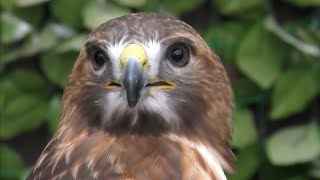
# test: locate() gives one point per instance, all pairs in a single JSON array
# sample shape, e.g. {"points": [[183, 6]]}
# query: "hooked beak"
{"points": [[134, 64], [133, 80]]}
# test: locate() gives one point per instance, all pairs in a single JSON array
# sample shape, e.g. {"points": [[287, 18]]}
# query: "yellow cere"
{"points": [[135, 51]]}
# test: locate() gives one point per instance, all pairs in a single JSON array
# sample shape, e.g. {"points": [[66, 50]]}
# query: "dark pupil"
{"points": [[177, 55], [99, 59]]}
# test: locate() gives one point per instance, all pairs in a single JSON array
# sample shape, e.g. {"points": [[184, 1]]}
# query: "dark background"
{"points": [[270, 48]]}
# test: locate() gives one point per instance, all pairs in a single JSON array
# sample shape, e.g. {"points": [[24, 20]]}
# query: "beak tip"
{"points": [[132, 103]]}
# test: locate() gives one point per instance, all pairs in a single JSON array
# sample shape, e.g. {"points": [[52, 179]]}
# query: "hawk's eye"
{"points": [[178, 54], [99, 59]]}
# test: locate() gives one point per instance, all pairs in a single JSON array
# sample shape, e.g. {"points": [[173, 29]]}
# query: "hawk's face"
{"points": [[149, 75]]}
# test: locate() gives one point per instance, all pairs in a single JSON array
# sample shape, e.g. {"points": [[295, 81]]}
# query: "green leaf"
{"points": [[73, 44], [305, 30], [234, 7], [152, 6], [294, 90], [8, 91], [57, 67], [246, 92], [11, 164], [225, 39], [26, 81], [51, 35], [244, 133], [28, 48], [132, 4], [96, 13], [297, 178], [48, 38], [304, 3], [54, 112], [7, 5], [23, 103], [260, 56], [32, 15], [27, 3], [292, 145], [314, 171], [12, 29], [9, 159], [244, 88], [22, 114], [69, 12], [247, 163], [178, 7], [269, 171]]}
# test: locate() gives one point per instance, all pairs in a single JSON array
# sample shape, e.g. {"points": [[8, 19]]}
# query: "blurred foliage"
{"points": [[12, 166], [275, 65]]}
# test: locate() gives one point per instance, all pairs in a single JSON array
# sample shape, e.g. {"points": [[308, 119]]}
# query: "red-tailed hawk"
{"points": [[146, 99]]}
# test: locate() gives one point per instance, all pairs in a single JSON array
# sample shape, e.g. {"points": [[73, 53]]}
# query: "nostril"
{"points": [[144, 63]]}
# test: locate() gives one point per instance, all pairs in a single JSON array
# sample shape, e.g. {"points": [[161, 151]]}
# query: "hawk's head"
{"points": [[146, 99], [150, 74]]}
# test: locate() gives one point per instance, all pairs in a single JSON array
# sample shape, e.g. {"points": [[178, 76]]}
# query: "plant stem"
{"points": [[274, 27]]}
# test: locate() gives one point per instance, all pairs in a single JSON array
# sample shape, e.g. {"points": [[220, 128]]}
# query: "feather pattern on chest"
{"points": [[100, 156]]}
